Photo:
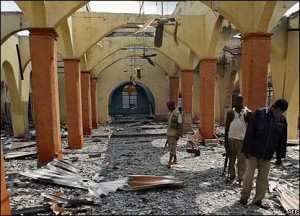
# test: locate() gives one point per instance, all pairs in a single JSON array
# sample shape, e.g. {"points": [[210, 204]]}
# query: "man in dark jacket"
{"points": [[266, 134]]}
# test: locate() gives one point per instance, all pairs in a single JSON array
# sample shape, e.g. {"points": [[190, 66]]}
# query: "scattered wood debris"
{"points": [[14, 155], [288, 199]]}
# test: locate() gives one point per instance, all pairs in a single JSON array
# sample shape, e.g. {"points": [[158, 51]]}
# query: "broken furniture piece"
{"points": [[195, 140]]}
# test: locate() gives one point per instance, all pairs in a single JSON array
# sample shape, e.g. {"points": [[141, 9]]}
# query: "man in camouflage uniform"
{"points": [[174, 131]]}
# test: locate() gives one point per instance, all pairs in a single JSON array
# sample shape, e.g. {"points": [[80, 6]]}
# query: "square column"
{"points": [[187, 98], [86, 102], [43, 52], [174, 88], [207, 83], [5, 203], [94, 100], [255, 60], [74, 108]]}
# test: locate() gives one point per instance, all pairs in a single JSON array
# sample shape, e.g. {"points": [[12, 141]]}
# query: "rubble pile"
{"points": [[110, 153]]}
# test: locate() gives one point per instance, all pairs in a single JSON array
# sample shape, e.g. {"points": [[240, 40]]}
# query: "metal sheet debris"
{"points": [[288, 199], [59, 172], [140, 182], [63, 173]]}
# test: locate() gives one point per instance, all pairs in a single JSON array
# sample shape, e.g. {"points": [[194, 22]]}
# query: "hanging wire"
{"points": [[141, 7]]}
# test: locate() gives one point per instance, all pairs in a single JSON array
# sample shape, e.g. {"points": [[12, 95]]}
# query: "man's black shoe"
{"points": [[262, 205], [244, 201]]}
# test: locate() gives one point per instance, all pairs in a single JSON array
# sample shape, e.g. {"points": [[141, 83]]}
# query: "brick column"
{"points": [[207, 83], [74, 106], [255, 59], [43, 52], [94, 100], [86, 102], [174, 88], [187, 97], [5, 204]]}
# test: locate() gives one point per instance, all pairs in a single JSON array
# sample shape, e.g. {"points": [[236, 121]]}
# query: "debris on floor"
{"points": [[141, 182], [288, 199], [19, 154], [204, 190]]}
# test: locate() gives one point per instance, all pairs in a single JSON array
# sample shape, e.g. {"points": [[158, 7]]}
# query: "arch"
{"points": [[105, 65], [8, 35], [11, 23], [99, 25], [96, 54], [143, 102], [17, 115], [48, 13], [243, 16]]}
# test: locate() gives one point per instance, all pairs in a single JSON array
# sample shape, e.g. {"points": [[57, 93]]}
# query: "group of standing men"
{"points": [[252, 138]]}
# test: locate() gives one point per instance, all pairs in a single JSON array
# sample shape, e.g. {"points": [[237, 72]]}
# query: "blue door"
{"points": [[129, 99]]}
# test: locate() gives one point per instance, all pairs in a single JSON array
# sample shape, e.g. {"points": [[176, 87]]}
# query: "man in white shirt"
{"points": [[235, 129]]}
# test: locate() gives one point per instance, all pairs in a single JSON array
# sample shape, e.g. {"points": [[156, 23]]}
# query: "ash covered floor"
{"points": [[135, 147]]}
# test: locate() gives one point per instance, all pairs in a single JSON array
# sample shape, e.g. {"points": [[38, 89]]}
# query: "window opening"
{"points": [[129, 97]]}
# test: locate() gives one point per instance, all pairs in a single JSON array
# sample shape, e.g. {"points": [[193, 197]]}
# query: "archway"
{"points": [[19, 121], [129, 99]]}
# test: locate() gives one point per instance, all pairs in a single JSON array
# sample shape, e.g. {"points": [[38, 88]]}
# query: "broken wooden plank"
{"points": [[14, 155], [69, 203], [18, 145], [32, 210], [94, 155]]}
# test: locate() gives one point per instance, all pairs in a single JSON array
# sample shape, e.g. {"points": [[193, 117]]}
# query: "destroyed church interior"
{"points": [[84, 92]]}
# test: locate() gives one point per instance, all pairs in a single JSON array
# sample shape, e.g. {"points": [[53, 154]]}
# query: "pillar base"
{"points": [[75, 142], [87, 131]]}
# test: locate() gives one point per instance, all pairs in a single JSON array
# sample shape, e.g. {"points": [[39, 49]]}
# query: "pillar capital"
{"points": [[88, 72], [94, 78], [71, 59], [257, 35], [208, 60], [173, 77], [47, 31]]}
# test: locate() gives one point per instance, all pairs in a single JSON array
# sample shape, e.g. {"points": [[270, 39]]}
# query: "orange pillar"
{"points": [[207, 83], [43, 52], [255, 59], [86, 102], [187, 97], [5, 204], [94, 100], [74, 109], [174, 88]]}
